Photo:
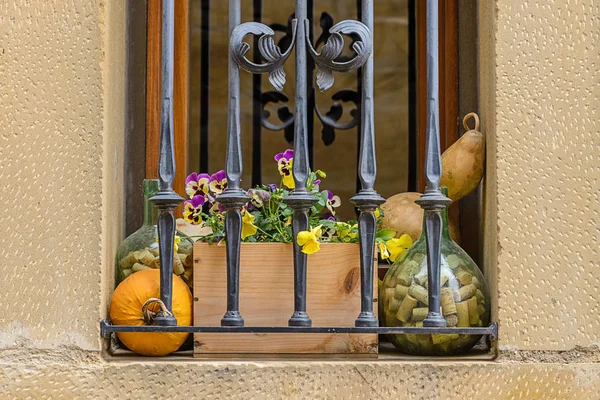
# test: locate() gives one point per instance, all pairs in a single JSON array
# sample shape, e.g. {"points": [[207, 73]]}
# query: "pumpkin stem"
{"points": [[149, 315]]}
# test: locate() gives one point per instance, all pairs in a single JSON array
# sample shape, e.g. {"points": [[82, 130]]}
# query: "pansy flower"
{"points": [[377, 213], [192, 209], [258, 197], [333, 201], [398, 246], [176, 242], [197, 184], [328, 231], [329, 216], [383, 251], [248, 227], [218, 182], [285, 162], [217, 207], [309, 240]]}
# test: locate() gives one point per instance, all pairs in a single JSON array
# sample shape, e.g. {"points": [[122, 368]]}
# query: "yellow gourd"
{"points": [[401, 213], [135, 302], [463, 162]]}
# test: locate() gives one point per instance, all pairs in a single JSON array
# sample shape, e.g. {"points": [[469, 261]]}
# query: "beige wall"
{"points": [[61, 142]]}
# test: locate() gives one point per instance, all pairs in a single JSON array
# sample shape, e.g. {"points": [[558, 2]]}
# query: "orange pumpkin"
{"points": [[141, 291]]}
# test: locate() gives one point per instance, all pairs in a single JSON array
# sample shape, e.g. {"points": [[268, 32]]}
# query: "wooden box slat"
{"points": [[267, 299]]}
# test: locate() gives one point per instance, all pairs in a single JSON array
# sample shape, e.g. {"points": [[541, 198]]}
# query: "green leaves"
{"points": [[385, 234]]}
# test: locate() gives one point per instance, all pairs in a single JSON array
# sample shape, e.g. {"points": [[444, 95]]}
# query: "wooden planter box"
{"points": [[267, 299]]}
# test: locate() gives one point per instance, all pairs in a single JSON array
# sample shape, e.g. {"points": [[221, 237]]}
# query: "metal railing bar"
{"points": [[300, 200], [233, 198], [491, 330], [367, 200], [166, 200], [433, 201]]}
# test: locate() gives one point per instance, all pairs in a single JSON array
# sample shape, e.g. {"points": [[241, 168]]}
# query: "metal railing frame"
{"points": [[300, 199]]}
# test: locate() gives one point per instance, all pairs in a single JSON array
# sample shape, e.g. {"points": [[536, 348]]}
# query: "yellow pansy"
{"points": [[398, 246], [383, 251], [309, 240], [248, 227], [175, 243], [287, 176], [377, 213], [285, 163]]}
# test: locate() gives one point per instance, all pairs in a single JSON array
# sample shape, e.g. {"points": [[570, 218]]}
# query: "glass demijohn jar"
{"points": [[139, 250], [464, 297]]}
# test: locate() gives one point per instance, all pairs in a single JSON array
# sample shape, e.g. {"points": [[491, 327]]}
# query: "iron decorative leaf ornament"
{"points": [[332, 50], [274, 57]]}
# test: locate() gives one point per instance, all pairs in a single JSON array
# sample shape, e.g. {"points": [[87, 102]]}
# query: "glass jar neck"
{"points": [[445, 224], [150, 212]]}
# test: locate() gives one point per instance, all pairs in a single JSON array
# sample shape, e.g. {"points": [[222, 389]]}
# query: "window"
{"points": [[201, 88], [200, 91], [201, 96]]}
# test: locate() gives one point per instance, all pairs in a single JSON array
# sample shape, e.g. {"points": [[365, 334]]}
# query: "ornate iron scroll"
{"points": [[326, 59], [331, 118], [275, 59]]}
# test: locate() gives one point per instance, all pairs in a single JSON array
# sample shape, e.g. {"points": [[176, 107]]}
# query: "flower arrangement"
{"points": [[267, 218]]}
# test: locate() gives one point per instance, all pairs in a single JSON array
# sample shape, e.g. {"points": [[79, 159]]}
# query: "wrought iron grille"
{"points": [[272, 113], [300, 200]]}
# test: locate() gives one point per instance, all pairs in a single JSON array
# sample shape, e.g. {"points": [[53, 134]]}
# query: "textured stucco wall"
{"points": [[547, 131], [61, 144], [304, 380], [51, 159]]}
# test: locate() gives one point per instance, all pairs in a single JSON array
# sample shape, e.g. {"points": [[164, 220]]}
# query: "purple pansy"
{"points": [[197, 184], [217, 208], [285, 162], [333, 201], [329, 216], [286, 155], [327, 231], [218, 182], [192, 209], [258, 197]]}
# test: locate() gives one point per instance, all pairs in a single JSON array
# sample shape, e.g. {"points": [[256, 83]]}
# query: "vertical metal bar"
{"points": [[166, 200], [233, 198], [256, 105], [433, 201], [300, 200], [300, 168], [359, 73], [310, 70], [367, 199], [204, 85], [413, 143]]}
